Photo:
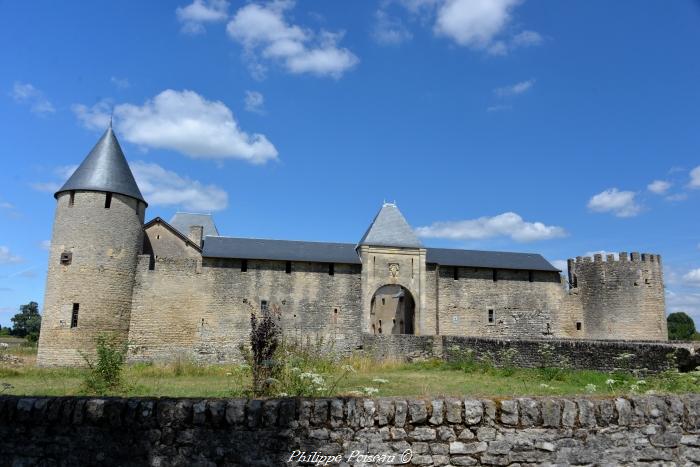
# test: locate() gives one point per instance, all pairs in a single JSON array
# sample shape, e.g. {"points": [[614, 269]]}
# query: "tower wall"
{"points": [[104, 244], [620, 299]]}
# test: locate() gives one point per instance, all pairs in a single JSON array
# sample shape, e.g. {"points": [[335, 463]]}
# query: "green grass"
{"points": [[427, 379]]}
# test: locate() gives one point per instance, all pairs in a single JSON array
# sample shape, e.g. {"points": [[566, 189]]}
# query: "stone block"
{"points": [[473, 411], [551, 413], [454, 410], [235, 411], [418, 411], [437, 414], [509, 412]]}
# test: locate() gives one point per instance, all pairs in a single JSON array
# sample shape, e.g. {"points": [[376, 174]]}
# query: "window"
{"points": [[263, 306], [288, 267], [158, 237], [108, 200], [495, 275], [74, 315], [531, 276], [331, 269], [244, 265], [383, 301], [66, 258], [492, 317], [455, 273], [578, 325], [71, 199]]}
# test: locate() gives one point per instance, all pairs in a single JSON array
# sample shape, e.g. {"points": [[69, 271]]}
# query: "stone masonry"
{"points": [[648, 430]]}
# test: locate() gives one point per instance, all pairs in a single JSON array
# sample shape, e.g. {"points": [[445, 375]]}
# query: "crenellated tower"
{"points": [[620, 298], [97, 237]]}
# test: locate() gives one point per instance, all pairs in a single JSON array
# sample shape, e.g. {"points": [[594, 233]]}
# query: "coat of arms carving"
{"points": [[393, 269]]}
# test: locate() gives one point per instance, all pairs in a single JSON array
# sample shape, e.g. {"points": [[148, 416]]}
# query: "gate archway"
{"points": [[392, 311]]}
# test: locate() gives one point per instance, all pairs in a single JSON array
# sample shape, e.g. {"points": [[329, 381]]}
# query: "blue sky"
{"points": [[562, 128]]}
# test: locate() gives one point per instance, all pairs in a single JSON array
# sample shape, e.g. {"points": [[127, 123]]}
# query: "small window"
{"points": [[244, 265], [495, 275], [455, 273], [158, 237], [263, 306], [74, 315], [331, 269], [71, 198], [647, 281], [578, 325], [108, 201], [383, 301], [66, 258], [531, 276], [492, 317], [288, 267]]}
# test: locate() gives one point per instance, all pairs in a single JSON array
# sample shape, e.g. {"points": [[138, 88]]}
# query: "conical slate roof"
{"points": [[389, 228], [104, 169]]}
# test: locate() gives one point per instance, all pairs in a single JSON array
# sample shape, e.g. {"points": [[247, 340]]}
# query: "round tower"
{"points": [[97, 237], [620, 298]]}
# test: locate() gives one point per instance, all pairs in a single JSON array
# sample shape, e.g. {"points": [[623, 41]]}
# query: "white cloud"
{"points": [[389, 30], [478, 23], [161, 187], [683, 301], [677, 197], [195, 15], [182, 121], [498, 108], [121, 83], [527, 39], [659, 187], [7, 257], [695, 178], [61, 173], [26, 93], [508, 224], [514, 89], [692, 277], [254, 102], [620, 203], [95, 117], [264, 31]]}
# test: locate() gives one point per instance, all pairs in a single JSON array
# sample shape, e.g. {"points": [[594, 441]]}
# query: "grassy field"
{"points": [[431, 378]]}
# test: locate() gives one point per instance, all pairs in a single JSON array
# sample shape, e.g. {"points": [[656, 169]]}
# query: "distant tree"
{"points": [[4, 331], [680, 326], [27, 322]]}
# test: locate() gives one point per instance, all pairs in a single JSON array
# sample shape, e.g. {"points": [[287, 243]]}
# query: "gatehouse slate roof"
{"points": [[389, 228], [183, 220], [104, 169], [321, 252]]}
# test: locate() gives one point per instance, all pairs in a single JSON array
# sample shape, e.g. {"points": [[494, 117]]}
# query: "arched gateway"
{"points": [[392, 311]]}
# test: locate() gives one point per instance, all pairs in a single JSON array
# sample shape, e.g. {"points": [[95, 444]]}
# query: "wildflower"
{"points": [[4, 345], [641, 382], [634, 388], [380, 380], [610, 382], [545, 386], [370, 391], [591, 387], [282, 394], [228, 373], [295, 369]]}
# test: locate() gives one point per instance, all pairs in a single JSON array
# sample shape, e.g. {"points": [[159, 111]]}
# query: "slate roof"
{"points": [[389, 228], [282, 250], [321, 252], [488, 259], [183, 220], [104, 169]]}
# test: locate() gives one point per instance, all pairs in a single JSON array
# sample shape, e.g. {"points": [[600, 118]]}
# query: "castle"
{"points": [[178, 288]]}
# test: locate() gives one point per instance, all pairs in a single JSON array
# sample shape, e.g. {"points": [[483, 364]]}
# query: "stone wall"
{"points": [[599, 355], [201, 309], [649, 430]]}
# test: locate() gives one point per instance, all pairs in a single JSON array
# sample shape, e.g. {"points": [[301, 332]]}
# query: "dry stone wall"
{"points": [[649, 430]]}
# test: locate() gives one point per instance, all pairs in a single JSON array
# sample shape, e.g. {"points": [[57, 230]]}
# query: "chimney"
{"points": [[196, 233]]}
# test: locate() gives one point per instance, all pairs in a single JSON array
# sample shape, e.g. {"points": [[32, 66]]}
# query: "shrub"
{"points": [[264, 340], [680, 326], [105, 373]]}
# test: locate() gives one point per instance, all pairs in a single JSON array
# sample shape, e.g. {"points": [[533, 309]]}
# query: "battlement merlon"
{"points": [[623, 257]]}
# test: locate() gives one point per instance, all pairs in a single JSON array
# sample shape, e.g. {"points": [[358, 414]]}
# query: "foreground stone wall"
{"points": [[531, 353], [650, 430]]}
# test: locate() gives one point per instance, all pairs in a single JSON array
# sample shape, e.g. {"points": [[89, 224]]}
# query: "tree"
{"points": [[27, 322], [680, 326]]}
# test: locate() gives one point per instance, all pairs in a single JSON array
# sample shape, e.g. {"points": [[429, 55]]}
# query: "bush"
{"points": [[680, 326], [105, 373], [264, 340]]}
